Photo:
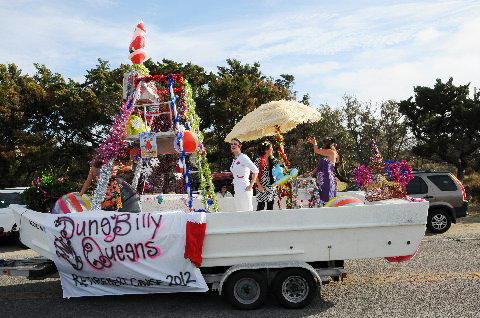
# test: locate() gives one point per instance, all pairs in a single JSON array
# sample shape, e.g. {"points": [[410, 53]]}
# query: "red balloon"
{"points": [[190, 142]]}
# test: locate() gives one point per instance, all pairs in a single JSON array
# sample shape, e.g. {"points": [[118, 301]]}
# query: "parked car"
{"points": [[446, 194], [7, 221]]}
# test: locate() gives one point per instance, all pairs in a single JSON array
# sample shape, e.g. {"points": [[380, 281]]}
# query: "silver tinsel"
{"points": [[102, 184], [137, 173], [144, 168]]}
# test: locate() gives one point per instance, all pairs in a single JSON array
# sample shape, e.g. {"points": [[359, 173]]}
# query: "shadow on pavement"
{"points": [[44, 299]]}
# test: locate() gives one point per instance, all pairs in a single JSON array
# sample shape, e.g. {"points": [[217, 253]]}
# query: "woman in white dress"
{"points": [[240, 168]]}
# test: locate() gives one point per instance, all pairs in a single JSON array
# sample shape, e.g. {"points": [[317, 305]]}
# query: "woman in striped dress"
{"points": [[265, 163]]}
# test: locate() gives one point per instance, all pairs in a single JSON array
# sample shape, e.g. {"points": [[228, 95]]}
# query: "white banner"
{"points": [[111, 253]]}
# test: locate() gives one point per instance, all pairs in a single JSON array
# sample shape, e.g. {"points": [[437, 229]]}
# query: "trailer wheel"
{"points": [[246, 289], [294, 288]]}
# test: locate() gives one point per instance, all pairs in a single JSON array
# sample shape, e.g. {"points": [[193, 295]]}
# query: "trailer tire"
{"points": [[294, 288], [246, 289]]}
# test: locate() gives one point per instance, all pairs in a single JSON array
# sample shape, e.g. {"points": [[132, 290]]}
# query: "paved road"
{"points": [[443, 280]]}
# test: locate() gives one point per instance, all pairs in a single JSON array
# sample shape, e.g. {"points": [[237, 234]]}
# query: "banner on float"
{"points": [[110, 253]]}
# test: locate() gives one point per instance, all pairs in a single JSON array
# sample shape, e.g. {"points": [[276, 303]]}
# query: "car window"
{"points": [[417, 186], [10, 198], [443, 182]]}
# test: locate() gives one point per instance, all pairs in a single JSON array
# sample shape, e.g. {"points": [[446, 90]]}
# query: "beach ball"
{"points": [[344, 201], [72, 203], [294, 173]]}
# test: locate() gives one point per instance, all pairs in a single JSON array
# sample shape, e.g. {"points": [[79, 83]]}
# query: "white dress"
{"points": [[240, 168]]}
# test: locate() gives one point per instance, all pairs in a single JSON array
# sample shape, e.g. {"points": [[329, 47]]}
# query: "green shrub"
{"points": [[45, 191]]}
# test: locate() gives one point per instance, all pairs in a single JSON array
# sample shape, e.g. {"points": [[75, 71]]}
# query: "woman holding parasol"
{"points": [[240, 168]]}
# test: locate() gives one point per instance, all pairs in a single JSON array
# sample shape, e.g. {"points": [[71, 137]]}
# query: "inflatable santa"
{"points": [[136, 48]]}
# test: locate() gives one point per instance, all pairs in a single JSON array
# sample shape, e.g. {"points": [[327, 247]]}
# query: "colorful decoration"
{"points": [[137, 52], [148, 144], [72, 203], [189, 141], [102, 185], [136, 174], [178, 81], [136, 126], [399, 172], [382, 181], [363, 177], [287, 187], [114, 145], [280, 178], [344, 201], [199, 157]]}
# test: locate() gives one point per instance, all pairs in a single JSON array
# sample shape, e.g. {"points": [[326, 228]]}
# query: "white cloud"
{"points": [[375, 52]]}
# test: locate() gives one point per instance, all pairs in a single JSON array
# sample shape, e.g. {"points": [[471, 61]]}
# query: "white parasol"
{"points": [[261, 122]]}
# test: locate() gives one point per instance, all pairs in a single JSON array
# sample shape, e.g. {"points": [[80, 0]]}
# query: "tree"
{"points": [[444, 120], [394, 138], [52, 125], [300, 152], [237, 90], [361, 125]]}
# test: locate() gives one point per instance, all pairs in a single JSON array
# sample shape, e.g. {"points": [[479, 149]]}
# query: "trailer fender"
{"points": [[274, 265]]}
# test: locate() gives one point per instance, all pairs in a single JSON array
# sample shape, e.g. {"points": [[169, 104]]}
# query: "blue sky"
{"points": [[374, 50]]}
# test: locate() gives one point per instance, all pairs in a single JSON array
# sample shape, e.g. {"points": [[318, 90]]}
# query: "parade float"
{"points": [[182, 242]]}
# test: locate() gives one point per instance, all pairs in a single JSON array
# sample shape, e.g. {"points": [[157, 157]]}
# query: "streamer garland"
{"points": [[207, 188], [114, 145], [286, 190], [102, 184], [182, 162], [112, 148]]}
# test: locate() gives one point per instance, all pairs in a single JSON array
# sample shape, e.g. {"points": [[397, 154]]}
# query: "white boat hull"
{"points": [[383, 229], [311, 235]]}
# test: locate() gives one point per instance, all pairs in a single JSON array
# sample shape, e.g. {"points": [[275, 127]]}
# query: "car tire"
{"points": [[294, 288], [246, 289], [438, 221]]}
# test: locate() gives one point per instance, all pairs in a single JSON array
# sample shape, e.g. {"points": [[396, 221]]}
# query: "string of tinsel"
{"points": [[399, 172], [112, 148], [363, 177], [136, 174], [207, 187], [102, 184], [114, 145], [179, 130]]}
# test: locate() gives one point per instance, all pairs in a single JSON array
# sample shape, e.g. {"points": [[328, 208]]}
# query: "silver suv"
{"points": [[446, 194]]}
